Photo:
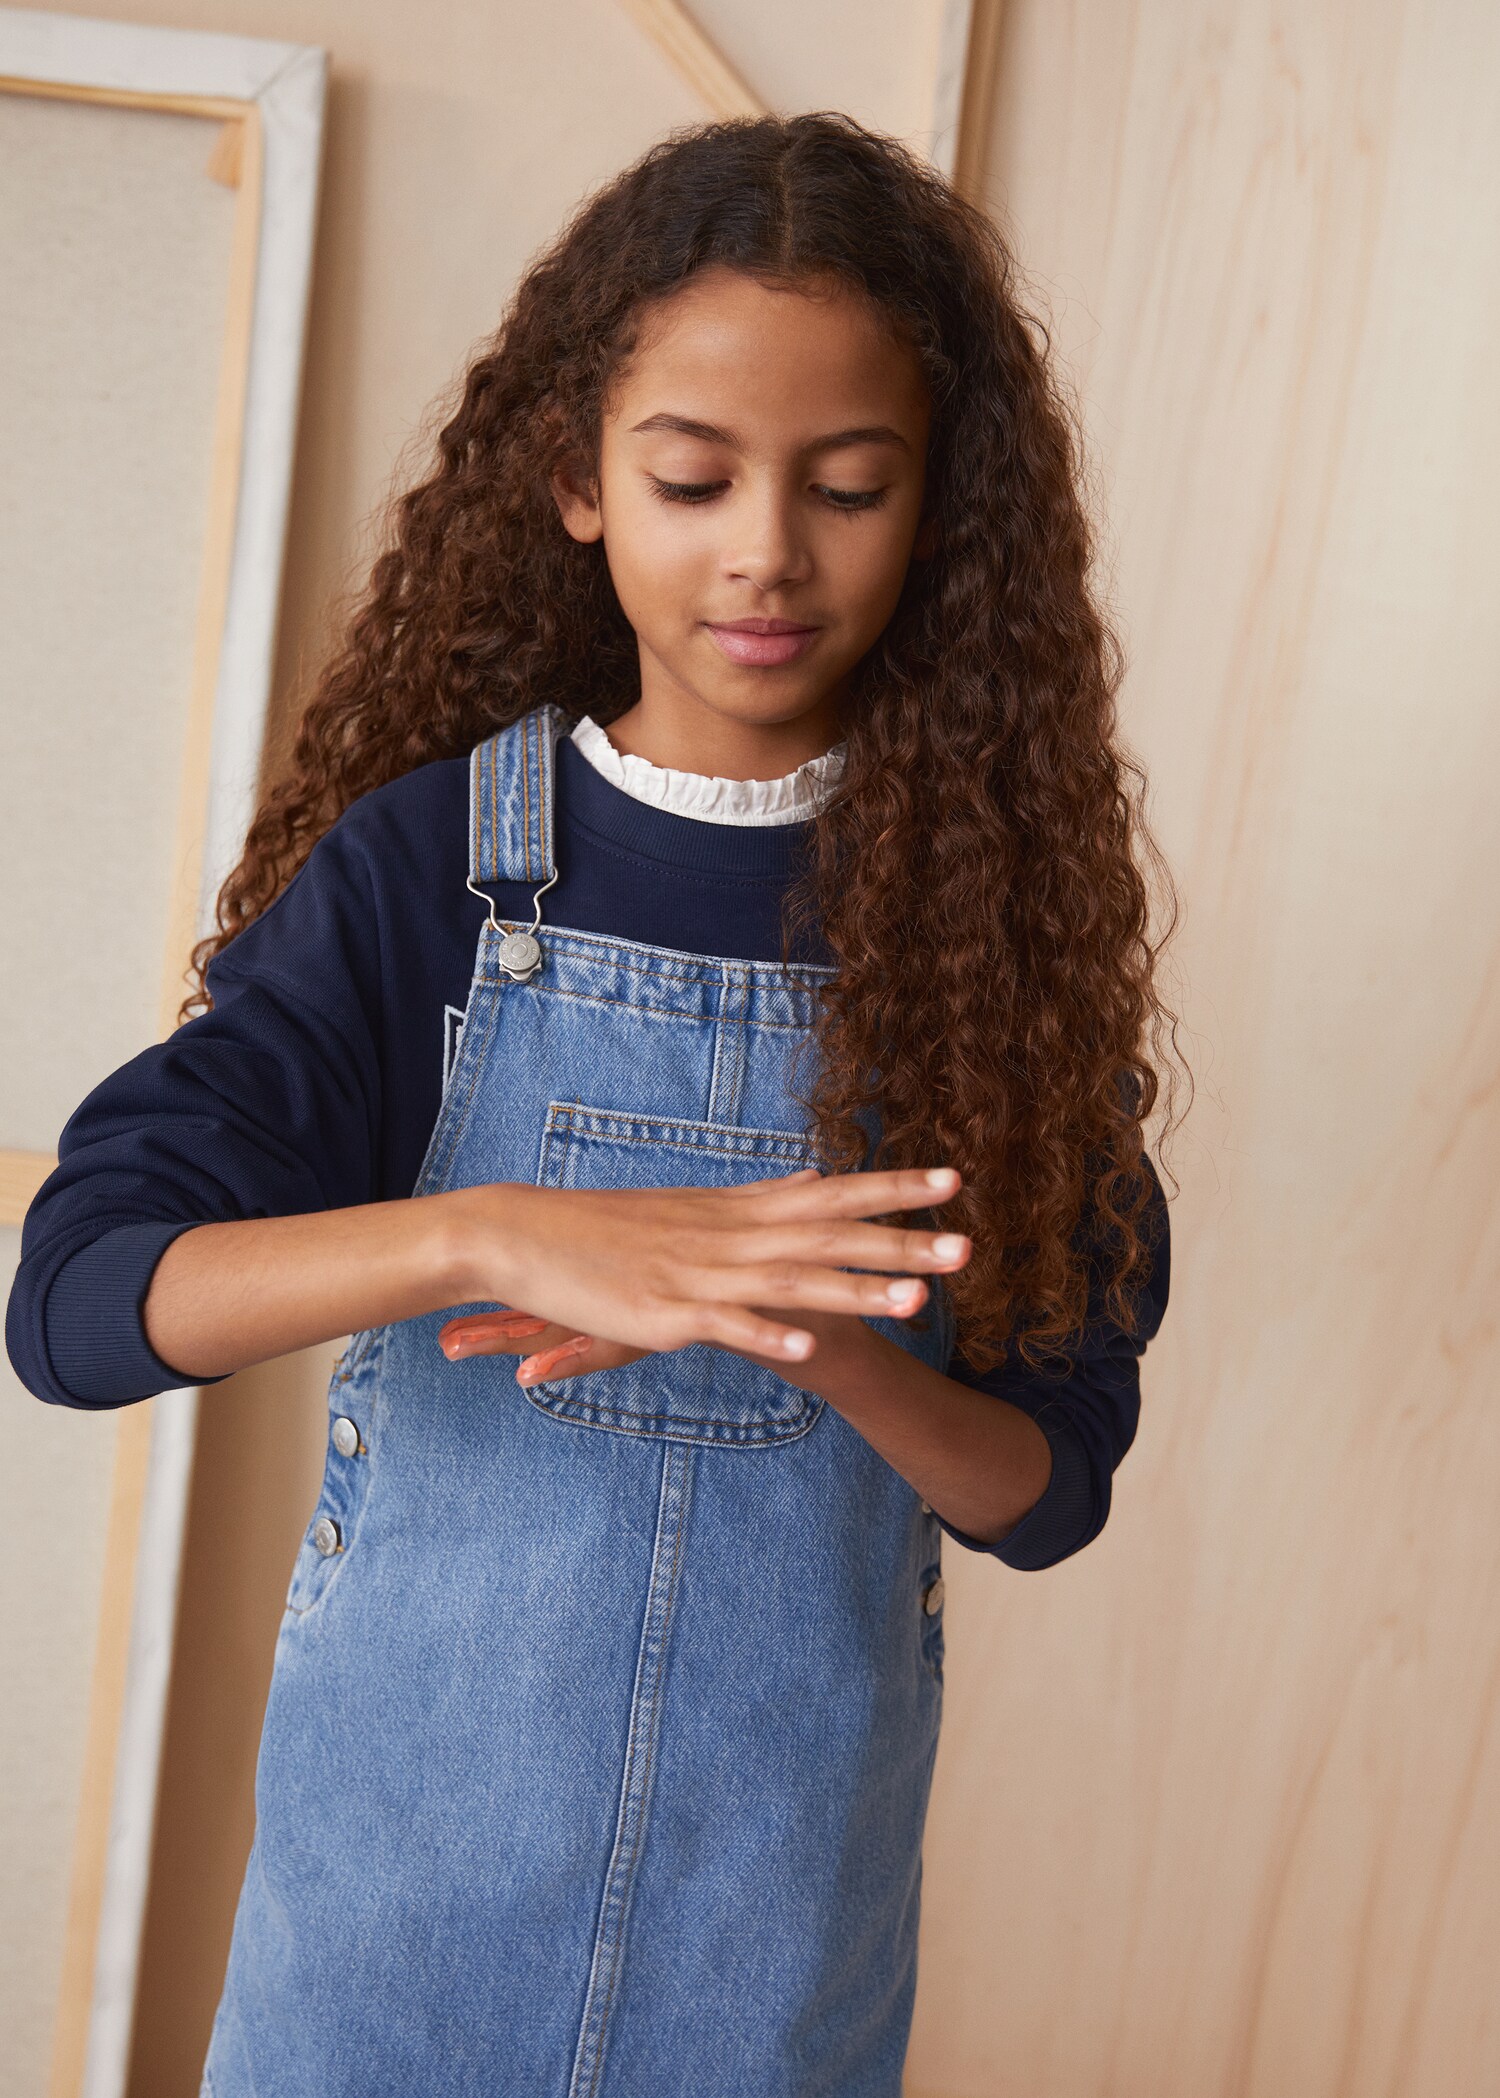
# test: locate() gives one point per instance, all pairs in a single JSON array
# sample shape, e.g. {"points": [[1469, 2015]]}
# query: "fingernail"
{"points": [[902, 1292], [940, 1176], [949, 1245], [797, 1343]]}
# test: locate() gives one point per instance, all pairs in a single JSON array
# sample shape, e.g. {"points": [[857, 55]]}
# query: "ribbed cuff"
{"points": [[95, 1333], [1061, 1522]]}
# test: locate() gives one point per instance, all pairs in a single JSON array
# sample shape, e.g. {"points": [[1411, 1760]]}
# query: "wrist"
{"points": [[849, 1353], [470, 1242]]}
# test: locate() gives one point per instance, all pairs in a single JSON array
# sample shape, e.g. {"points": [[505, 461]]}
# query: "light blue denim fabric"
{"points": [[597, 1754]]}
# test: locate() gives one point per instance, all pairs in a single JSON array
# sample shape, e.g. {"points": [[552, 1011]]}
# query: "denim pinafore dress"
{"points": [[604, 1712]]}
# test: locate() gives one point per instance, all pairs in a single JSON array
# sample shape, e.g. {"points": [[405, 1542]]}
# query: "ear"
{"points": [[576, 494]]}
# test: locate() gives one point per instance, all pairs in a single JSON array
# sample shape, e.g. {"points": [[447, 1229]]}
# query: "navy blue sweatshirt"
{"points": [[315, 1081]]}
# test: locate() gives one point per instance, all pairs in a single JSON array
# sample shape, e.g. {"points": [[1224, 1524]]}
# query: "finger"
{"points": [[836, 1242], [769, 1181], [849, 1194], [549, 1360], [736, 1326], [489, 1333], [806, 1286]]}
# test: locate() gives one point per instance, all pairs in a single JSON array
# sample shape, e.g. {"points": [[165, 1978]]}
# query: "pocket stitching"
{"points": [[559, 1395], [738, 1142]]}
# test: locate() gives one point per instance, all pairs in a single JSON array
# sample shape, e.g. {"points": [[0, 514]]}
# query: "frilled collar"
{"points": [[708, 797]]}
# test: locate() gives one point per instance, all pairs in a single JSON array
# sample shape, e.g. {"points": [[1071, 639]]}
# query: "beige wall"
{"points": [[1216, 1802]]}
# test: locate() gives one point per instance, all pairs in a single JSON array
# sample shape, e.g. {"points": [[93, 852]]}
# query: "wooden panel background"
{"points": [[1218, 1804]]}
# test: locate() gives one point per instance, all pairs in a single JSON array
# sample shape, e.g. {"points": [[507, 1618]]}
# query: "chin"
{"points": [[763, 695]]}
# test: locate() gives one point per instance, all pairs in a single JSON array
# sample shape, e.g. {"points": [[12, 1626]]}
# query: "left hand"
{"points": [[553, 1353]]}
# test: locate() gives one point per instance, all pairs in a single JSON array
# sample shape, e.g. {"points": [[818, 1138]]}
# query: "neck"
{"points": [[675, 729]]}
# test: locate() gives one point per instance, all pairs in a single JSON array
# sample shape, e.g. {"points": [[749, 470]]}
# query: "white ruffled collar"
{"points": [[708, 796]]}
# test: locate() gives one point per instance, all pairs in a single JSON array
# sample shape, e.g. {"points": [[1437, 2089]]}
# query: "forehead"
{"points": [[732, 350]]}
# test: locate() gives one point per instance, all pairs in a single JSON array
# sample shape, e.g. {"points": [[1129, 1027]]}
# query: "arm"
{"points": [[1013, 1462], [980, 1463], [266, 1106], [651, 1268], [1088, 1411], [226, 1295]]}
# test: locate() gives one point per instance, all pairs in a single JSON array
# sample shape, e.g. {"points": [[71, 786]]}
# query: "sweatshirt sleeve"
{"points": [[1088, 1411], [266, 1105]]}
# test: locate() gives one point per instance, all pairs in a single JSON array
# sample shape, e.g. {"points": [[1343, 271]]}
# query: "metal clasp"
{"points": [[519, 953]]}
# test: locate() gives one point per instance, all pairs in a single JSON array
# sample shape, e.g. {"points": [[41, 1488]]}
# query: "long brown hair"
{"points": [[975, 876]]}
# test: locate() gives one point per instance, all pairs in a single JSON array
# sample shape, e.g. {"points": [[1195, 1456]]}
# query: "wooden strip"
{"points": [[226, 163], [96, 1797], [21, 1174], [700, 62], [977, 98], [226, 107], [218, 557]]}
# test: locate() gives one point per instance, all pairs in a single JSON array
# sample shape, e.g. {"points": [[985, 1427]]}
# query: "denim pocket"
{"points": [[697, 1393]]}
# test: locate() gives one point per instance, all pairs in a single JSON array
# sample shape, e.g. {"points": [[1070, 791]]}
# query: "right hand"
{"points": [[660, 1268]]}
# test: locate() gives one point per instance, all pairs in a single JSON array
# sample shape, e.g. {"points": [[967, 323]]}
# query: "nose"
{"points": [[767, 546]]}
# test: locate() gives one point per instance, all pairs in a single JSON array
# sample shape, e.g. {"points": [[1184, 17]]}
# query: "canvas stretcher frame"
{"points": [[268, 99]]}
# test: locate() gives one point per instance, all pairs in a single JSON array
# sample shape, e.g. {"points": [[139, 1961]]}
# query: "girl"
{"points": [[697, 948]]}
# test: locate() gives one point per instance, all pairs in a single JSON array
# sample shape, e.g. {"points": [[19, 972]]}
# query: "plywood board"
{"points": [[1217, 1807]]}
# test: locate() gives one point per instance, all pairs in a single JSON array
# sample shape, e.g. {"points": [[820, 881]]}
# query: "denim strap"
{"points": [[511, 800]]}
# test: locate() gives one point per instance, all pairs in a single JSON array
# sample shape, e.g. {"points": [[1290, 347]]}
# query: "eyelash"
{"points": [[848, 500]]}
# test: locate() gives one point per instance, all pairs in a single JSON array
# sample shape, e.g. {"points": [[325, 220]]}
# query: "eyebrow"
{"points": [[684, 426]]}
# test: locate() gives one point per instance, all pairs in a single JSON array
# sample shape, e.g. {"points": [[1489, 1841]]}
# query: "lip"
{"points": [[762, 643]]}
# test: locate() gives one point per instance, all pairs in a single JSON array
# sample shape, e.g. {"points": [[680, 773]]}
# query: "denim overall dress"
{"points": [[604, 1712]]}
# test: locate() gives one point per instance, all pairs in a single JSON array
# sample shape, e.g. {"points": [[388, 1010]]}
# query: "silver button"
{"points": [[345, 1436], [519, 955], [927, 1507], [932, 1598], [326, 1537]]}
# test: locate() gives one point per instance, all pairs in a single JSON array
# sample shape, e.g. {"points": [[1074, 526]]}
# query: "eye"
{"points": [[684, 491], [853, 498]]}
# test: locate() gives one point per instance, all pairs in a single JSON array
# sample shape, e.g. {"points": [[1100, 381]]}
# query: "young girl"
{"points": [[697, 949]]}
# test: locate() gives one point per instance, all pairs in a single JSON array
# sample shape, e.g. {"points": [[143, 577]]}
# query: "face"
{"points": [[759, 497]]}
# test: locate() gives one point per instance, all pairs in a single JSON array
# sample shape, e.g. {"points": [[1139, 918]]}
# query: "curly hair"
{"points": [[975, 875]]}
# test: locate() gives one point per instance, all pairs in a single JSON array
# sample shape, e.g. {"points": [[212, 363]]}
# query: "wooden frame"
{"points": [[668, 25], [268, 98], [962, 95]]}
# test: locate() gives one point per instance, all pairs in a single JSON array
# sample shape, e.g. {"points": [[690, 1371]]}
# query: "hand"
{"points": [[674, 1266], [554, 1353]]}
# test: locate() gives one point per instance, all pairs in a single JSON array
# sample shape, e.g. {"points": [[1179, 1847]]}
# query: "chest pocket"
{"points": [[697, 1393]]}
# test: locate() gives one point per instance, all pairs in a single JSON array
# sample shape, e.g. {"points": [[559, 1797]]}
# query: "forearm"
{"points": [[223, 1296], [980, 1462]]}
